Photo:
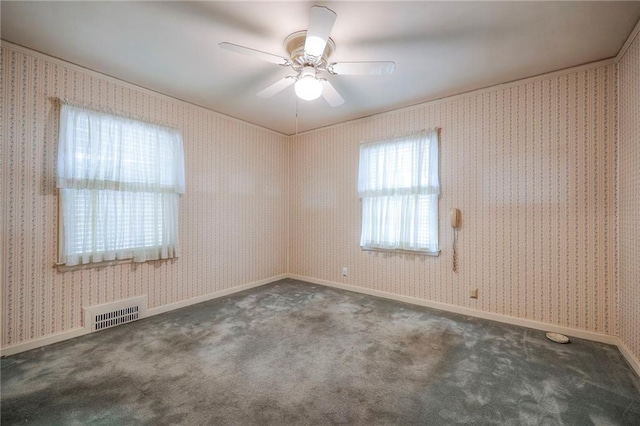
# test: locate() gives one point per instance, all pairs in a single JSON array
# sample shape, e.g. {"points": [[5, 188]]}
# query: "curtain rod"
{"points": [[397, 136], [117, 113]]}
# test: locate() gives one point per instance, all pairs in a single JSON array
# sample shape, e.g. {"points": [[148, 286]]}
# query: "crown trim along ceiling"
{"points": [[439, 49]]}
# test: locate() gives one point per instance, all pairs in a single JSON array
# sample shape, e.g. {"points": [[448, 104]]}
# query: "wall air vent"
{"points": [[109, 315]]}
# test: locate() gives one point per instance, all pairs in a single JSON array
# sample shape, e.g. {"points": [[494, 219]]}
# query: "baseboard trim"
{"points": [[581, 334], [210, 296], [77, 332], [537, 325], [43, 341], [629, 356]]}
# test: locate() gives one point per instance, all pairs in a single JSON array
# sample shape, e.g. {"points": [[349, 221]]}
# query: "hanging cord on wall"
{"points": [[455, 250], [296, 115]]}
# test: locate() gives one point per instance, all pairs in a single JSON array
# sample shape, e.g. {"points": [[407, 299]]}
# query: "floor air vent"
{"points": [[111, 314]]}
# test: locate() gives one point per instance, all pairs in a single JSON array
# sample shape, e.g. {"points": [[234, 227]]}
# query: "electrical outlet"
{"points": [[473, 293], [345, 271]]}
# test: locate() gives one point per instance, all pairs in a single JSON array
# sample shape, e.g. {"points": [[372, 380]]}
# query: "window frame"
{"points": [[157, 197], [405, 192]]}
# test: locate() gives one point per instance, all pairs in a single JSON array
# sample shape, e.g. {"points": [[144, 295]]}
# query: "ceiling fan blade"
{"points": [[320, 24], [277, 87], [274, 59], [331, 95], [362, 68]]}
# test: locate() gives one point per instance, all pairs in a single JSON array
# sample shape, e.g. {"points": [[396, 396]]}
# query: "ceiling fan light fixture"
{"points": [[308, 56], [308, 87]]}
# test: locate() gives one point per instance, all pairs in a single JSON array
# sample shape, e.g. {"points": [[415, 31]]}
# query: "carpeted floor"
{"points": [[296, 353]]}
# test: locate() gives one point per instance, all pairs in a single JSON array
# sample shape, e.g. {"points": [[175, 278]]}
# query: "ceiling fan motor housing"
{"points": [[294, 45]]}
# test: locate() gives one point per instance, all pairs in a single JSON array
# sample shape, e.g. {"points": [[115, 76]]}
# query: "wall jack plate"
{"points": [[345, 271], [473, 293]]}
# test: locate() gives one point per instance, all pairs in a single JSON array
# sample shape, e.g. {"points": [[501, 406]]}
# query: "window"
{"points": [[119, 181], [399, 187]]}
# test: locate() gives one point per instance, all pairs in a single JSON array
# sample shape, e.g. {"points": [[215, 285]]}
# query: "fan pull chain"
{"points": [[296, 116]]}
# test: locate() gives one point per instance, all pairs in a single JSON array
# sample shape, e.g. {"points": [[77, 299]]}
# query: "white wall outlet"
{"points": [[473, 293], [345, 271]]}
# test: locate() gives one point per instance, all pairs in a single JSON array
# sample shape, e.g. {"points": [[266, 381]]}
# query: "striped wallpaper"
{"points": [[233, 227], [531, 165], [629, 198]]}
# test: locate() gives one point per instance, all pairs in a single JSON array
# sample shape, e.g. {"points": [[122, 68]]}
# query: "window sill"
{"points": [[399, 251], [63, 267]]}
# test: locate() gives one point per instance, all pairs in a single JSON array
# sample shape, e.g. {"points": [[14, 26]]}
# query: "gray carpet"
{"points": [[297, 353]]}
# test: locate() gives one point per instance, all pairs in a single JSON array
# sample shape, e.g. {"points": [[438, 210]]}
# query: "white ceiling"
{"points": [[440, 48]]}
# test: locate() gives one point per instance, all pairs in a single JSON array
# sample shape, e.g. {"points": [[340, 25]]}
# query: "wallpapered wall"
{"points": [[629, 197], [531, 165], [233, 226]]}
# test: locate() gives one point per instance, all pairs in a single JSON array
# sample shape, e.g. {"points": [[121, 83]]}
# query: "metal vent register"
{"points": [[109, 315]]}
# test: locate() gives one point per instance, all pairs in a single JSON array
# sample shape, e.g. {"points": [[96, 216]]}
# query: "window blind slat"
{"points": [[399, 185], [119, 182]]}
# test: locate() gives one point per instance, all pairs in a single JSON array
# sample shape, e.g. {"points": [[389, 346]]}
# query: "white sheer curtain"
{"points": [[399, 186], [120, 181]]}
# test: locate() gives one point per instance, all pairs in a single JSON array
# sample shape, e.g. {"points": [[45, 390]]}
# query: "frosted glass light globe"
{"points": [[308, 87]]}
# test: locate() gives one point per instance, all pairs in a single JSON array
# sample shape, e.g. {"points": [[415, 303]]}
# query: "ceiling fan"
{"points": [[309, 53]]}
